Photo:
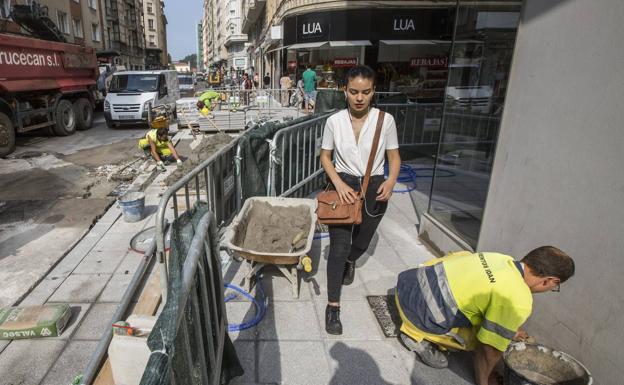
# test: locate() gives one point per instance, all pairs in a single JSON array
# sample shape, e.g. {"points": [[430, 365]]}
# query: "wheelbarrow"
{"points": [[288, 263]]}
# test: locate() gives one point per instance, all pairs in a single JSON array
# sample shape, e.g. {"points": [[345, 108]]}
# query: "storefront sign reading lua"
{"points": [[313, 27], [403, 24]]}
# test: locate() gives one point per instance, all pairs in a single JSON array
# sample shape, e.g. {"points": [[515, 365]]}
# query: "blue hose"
{"points": [[409, 174], [259, 303]]}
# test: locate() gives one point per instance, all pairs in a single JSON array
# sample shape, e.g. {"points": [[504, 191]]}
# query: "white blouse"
{"points": [[352, 157]]}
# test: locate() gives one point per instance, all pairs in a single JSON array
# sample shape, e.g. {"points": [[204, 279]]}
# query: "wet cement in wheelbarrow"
{"points": [[546, 367], [271, 229]]}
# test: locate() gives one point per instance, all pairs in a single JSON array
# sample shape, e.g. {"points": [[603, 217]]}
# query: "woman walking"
{"points": [[349, 133]]}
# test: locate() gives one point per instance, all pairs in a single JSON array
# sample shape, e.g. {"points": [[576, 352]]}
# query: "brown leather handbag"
{"points": [[330, 211]]}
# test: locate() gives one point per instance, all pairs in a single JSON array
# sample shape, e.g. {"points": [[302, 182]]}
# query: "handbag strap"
{"points": [[371, 157]]}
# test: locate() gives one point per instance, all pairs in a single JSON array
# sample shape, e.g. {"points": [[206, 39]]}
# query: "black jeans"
{"points": [[349, 242]]}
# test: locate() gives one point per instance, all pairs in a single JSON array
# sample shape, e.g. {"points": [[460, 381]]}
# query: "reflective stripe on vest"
{"points": [[498, 329], [425, 288]]}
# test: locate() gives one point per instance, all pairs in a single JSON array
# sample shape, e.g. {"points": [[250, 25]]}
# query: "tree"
{"points": [[191, 59]]}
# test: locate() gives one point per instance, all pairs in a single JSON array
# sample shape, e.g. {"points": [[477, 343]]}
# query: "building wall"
{"points": [[130, 40], [558, 176], [90, 16]]}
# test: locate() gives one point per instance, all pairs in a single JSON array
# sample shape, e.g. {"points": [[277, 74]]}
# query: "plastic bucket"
{"points": [[132, 205], [532, 364]]}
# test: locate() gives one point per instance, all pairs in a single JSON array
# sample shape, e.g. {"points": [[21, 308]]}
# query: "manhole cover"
{"points": [[386, 313]]}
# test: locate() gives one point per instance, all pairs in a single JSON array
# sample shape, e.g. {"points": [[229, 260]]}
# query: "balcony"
{"points": [[251, 13], [112, 12], [235, 38]]}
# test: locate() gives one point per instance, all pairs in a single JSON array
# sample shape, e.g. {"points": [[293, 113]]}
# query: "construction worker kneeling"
{"points": [[474, 301], [156, 143]]}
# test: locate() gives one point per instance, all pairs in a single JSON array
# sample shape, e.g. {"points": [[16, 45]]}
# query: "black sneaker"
{"points": [[349, 273], [332, 320], [428, 353]]}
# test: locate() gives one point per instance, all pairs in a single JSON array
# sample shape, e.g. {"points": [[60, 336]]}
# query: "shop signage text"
{"points": [[404, 25], [345, 62], [432, 61], [312, 28]]}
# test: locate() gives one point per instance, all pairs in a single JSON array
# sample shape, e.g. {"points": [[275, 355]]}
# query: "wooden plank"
{"points": [[148, 305], [105, 376], [151, 296]]}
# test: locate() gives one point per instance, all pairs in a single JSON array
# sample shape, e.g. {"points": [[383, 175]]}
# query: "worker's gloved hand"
{"points": [[160, 165], [179, 161]]}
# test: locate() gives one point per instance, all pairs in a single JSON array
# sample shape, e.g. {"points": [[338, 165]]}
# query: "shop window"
{"points": [[478, 72]]}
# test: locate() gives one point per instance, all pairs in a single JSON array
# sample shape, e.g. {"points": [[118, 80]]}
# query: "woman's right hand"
{"points": [[345, 192]]}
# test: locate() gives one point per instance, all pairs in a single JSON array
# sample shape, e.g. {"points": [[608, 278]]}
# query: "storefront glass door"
{"points": [[478, 72]]}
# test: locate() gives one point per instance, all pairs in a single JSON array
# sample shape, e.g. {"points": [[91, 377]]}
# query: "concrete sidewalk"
{"points": [[290, 345]]}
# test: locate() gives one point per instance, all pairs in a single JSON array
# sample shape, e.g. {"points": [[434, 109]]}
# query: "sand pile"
{"points": [[206, 148], [271, 229]]}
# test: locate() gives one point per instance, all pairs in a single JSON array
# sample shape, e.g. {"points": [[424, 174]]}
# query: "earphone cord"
{"points": [[366, 206]]}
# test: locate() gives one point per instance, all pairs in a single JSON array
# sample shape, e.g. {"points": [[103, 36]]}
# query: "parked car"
{"points": [[131, 92]]}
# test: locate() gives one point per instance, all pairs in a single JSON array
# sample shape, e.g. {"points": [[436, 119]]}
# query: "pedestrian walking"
{"points": [[350, 134], [246, 88], [309, 88], [285, 85]]}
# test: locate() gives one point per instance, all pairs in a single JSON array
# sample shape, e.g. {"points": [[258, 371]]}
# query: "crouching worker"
{"points": [[477, 302], [157, 144], [208, 102]]}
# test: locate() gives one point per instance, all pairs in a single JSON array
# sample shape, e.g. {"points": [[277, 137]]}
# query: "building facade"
{"points": [[155, 34], [200, 48], [80, 22], [224, 41], [512, 132], [124, 32]]}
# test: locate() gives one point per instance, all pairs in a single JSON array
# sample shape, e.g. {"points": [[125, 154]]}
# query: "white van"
{"points": [[131, 92]]}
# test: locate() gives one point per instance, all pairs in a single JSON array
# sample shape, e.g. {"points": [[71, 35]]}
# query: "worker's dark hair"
{"points": [[549, 261], [200, 104], [362, 71], [163, 131]]}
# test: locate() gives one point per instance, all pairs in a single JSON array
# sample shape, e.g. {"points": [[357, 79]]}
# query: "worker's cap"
{"points": [[160, 122]]}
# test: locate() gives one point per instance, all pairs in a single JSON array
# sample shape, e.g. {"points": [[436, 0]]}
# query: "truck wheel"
{"points": [[65, 118], [84, 114], [7, 136]]}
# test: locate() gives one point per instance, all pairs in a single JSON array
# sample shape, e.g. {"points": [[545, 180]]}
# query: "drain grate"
{"points": [[386, 313]]}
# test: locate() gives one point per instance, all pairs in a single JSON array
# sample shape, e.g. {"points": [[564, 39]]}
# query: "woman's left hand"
{"points": [[385, 191]]}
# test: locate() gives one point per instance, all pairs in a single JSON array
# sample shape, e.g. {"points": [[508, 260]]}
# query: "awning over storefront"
{"points": [[275, 49], [316, 44], [350, 43]]}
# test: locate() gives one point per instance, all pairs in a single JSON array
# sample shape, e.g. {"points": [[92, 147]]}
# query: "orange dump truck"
{"points": [[44, 84]]}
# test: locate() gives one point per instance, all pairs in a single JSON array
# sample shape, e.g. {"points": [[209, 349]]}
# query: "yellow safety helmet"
{"points": [[160, 122]]}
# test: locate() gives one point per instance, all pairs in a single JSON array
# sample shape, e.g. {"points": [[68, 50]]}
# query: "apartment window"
{"points": [[152, 40], [95, 32], [62, 22], [150, 8], [150, 23], [5, 9], [77, 24], [77, 1], [93, 4]]}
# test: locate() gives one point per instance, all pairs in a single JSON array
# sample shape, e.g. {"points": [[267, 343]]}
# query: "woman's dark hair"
{"points": [[549, 261], [362, 71], [162, 132]]}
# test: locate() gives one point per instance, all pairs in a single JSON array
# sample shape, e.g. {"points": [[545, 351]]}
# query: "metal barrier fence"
{"points": [[214, 181], [192, 336], [295, 158]]}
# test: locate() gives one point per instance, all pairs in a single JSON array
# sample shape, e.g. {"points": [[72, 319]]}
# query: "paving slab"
{"points": [[80, 288], [366, 363], [239, 312], [129, 264], [246, 351], [97, 321], [44, 289], [358, 322], [71, 363], [100, 262], [292, 362], [27, 361], [115, 288], [290, 321]]}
